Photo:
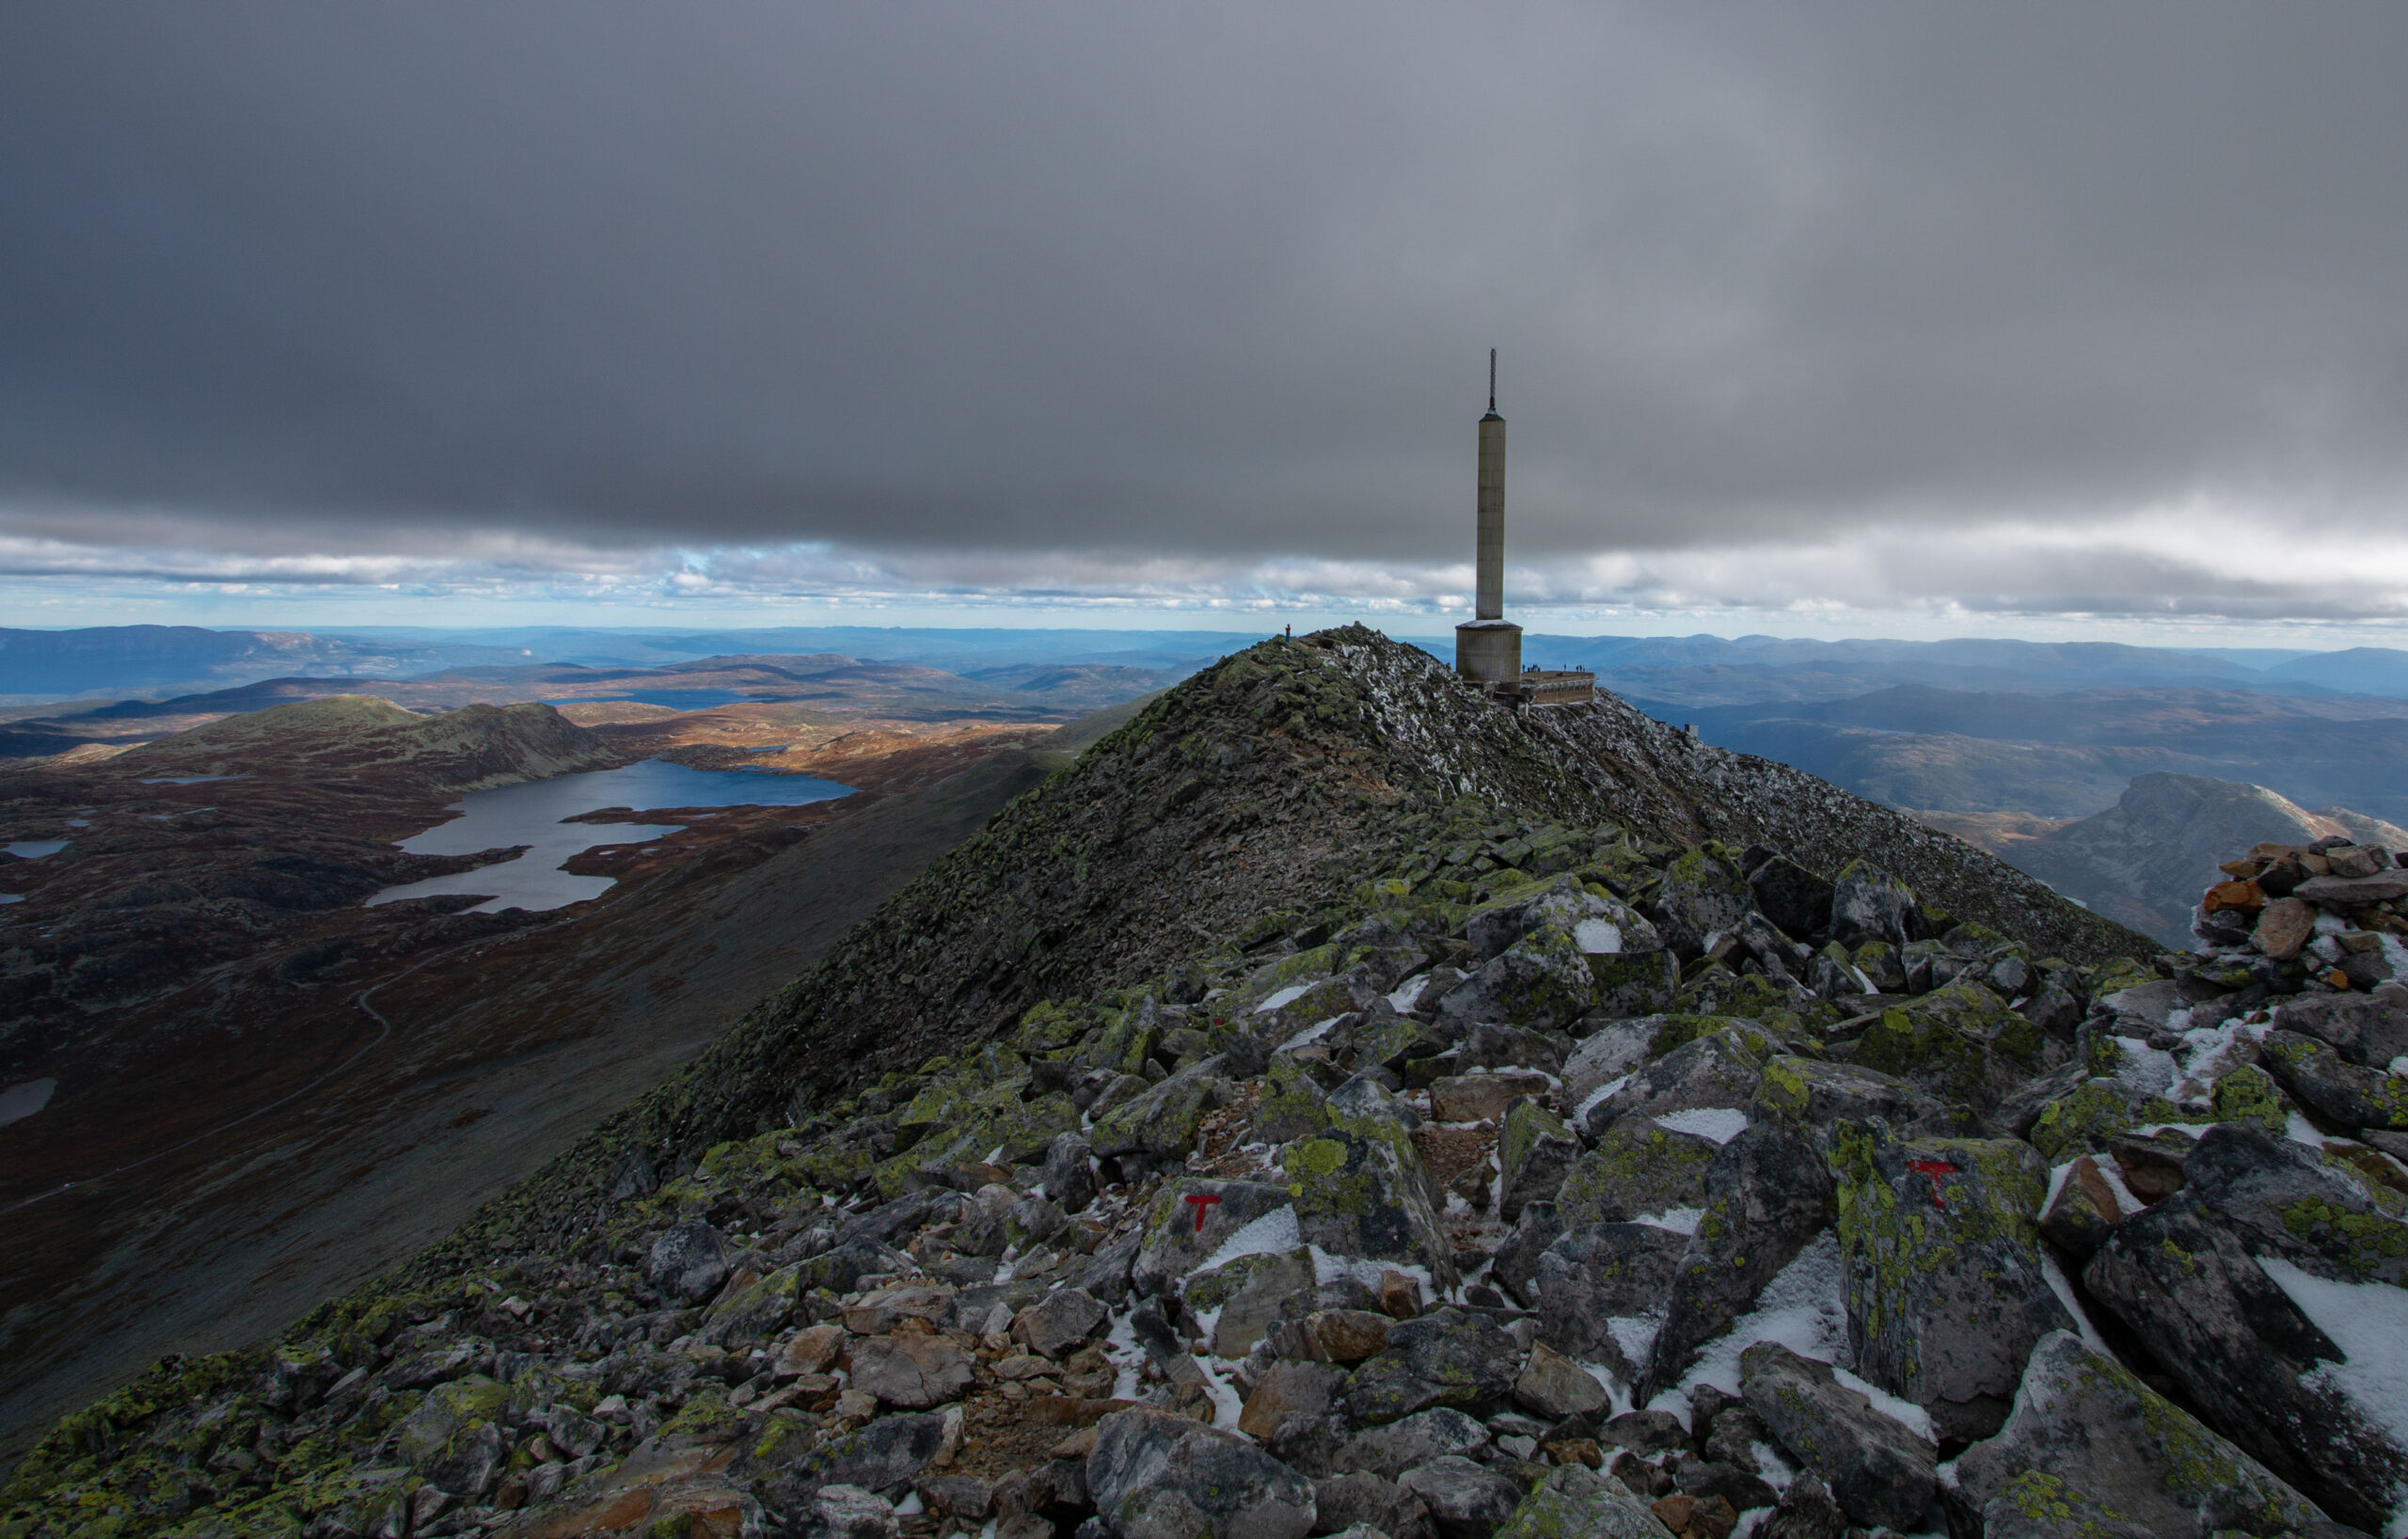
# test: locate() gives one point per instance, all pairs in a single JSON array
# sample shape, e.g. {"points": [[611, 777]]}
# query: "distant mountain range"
{"points": [[2144, 861]]}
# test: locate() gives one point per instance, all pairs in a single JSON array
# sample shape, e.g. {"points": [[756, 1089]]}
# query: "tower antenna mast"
{"points": [[1492, 379]]}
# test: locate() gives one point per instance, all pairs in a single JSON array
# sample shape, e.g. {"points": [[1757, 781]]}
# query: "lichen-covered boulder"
{"points": [[2334, 1087], [1192, 1219], [2367, 1029], [1360, 1190], [1291, 1104], [1819, 1092], [1153, 1475], [1534, 1153], [1574, 1499], [1467, 1500], [1960, 1042], [885, 1456], [1161, 1123], [1495, 927], [1703, 892], [1639, 1167], [1598, 1289], [688, 1261], [454, 1438], [1610, 1053], [751, 1315], [1768, 1193], [1628, 984], [1392, 1448], [1868, 904], [1719, 1068], [2239, 1283], [2092, 1115], [2090, 1450], [1449, 1356], [1945, 1287], [1541, 980], [1878, 1471]]}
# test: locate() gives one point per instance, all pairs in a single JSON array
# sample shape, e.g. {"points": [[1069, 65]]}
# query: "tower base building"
{"points": [[1489, 653]]}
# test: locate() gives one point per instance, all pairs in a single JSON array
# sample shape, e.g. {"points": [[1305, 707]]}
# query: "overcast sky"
{"points": [[1998, 319]]}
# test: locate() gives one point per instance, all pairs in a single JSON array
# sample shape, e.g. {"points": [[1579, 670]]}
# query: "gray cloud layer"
{"points": [[1212, 283]]}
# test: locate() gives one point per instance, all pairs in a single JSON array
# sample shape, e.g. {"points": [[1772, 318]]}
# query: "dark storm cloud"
{"points": [[1206, 281]]}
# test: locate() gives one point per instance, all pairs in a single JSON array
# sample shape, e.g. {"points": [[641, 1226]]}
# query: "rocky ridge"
{"points": [[1550, 1177]]}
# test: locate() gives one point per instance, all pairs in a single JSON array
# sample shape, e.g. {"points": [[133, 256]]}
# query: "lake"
{"points": [[531, 813]]}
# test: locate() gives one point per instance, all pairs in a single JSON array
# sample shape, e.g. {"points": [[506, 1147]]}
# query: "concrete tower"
{"points": [[1488, 647]]}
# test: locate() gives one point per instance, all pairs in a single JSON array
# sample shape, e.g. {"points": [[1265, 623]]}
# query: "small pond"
{"points": [[532, 814]]}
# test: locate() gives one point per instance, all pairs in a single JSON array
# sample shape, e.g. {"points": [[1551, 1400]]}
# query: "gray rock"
{"points": [[1819, 1093], [1450, 1357], [1574, 1499], [2369, 1029], [1293, 1394], [912, 1371], [1493, 1045], [1879, 1472], [1554, 1386], [1542, 979], [1533, 1151], [1056, 1326], [751, 1315], [1645, 1432], [2184, 1275], [1715, 1069], [1702, 893], [1153, 1475], [886, 1455], [848, 1512], [2335, 1088], [1177, 1243], [1791, 896], [1362, 1096], [1161, 1123], [1768, 1193], [688, 1262], [1945, 1288], [1869, 904], [1391, 1450], [2352, 892], [1806, 1511], [1249, 1293], [1612, 1051], [1735, 1482], [1637, 1168], [1600, 1273], [2090, 1450], [1496, 927], [1516, 1265], [1360, 1190], [1465, 1501], [1361, 1502]]}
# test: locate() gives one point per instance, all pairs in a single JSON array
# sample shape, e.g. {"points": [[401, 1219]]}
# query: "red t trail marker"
{"points": [[1931, 1171], [1201, 1201]]}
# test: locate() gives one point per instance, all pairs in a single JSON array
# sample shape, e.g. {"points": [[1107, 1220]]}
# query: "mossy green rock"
{"points": [[1637, 1168], [1575, 1503], [1360, 1191], [2089, 1444], [1946, 1289], [755, 1314], [1533, 1151], [1960, 1042], [2098, 1110]]}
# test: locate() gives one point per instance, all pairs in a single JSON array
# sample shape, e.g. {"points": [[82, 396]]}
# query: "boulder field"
{"points": [[1547, 1177]]}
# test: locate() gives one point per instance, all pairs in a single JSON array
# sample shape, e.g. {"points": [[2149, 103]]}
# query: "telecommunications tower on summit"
{"points": [[1488, 646]]}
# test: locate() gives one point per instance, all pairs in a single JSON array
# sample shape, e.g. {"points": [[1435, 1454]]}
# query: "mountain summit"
{"points": [[1340, 1104]]}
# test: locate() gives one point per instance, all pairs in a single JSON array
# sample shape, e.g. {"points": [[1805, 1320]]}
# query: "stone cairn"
{"points": [[1562, 1183]]}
